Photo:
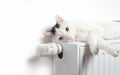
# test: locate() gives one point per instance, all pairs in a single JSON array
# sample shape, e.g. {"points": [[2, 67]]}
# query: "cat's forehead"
{"points": [[57, 27], [61, 25]]}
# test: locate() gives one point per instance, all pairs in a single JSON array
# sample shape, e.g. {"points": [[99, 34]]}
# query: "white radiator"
{"points": [[77, 60]]}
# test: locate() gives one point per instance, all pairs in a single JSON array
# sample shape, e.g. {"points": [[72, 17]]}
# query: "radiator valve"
{"points": [[50, 49]]}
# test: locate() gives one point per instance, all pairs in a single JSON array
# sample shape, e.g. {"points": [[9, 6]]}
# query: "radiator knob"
{"points": [[50, 49]]}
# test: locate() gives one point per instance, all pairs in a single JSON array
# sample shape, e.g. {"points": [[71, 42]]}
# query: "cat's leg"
{"points": [[95, 43], [92, 42], [102, 44]]}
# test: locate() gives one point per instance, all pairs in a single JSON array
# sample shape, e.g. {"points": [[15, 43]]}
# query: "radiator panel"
{"points": [[84, 63], [69, 64], [100, 64]]}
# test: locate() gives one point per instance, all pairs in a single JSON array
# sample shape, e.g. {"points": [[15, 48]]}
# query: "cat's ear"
{"points": [[59, 19], [48, 35]]}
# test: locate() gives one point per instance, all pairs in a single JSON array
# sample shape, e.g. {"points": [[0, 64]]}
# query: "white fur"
{"points": [[91, 32], [94, 34]]}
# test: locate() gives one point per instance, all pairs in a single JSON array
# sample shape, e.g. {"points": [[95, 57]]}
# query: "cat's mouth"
{"points": [[70, 39]]}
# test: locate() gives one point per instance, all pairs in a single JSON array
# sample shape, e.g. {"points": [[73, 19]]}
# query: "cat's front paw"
{"points": [[116, 53]]}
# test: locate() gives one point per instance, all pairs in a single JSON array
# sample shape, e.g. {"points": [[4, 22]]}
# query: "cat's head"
{"points": [[60, 32]]}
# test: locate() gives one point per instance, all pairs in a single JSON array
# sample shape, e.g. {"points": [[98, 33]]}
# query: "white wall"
{"points": [[22, 22]]}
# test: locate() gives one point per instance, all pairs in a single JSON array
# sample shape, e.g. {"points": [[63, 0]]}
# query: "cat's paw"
{"points": [[116, 53]]}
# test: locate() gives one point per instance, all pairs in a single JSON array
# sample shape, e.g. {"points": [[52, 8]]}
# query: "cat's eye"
{"points": [[60, 38], [67, 29]]}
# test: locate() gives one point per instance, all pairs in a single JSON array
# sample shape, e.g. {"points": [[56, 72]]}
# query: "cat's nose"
{"points": [[70, 39]]}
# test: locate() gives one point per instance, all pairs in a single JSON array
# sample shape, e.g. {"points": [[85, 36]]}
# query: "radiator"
{"points": [[77, 60]]}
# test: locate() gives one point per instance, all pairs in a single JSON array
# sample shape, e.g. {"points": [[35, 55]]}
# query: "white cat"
{"points": [[92, 33]]}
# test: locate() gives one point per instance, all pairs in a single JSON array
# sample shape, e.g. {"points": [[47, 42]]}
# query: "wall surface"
{"points": [[22, 23]]}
